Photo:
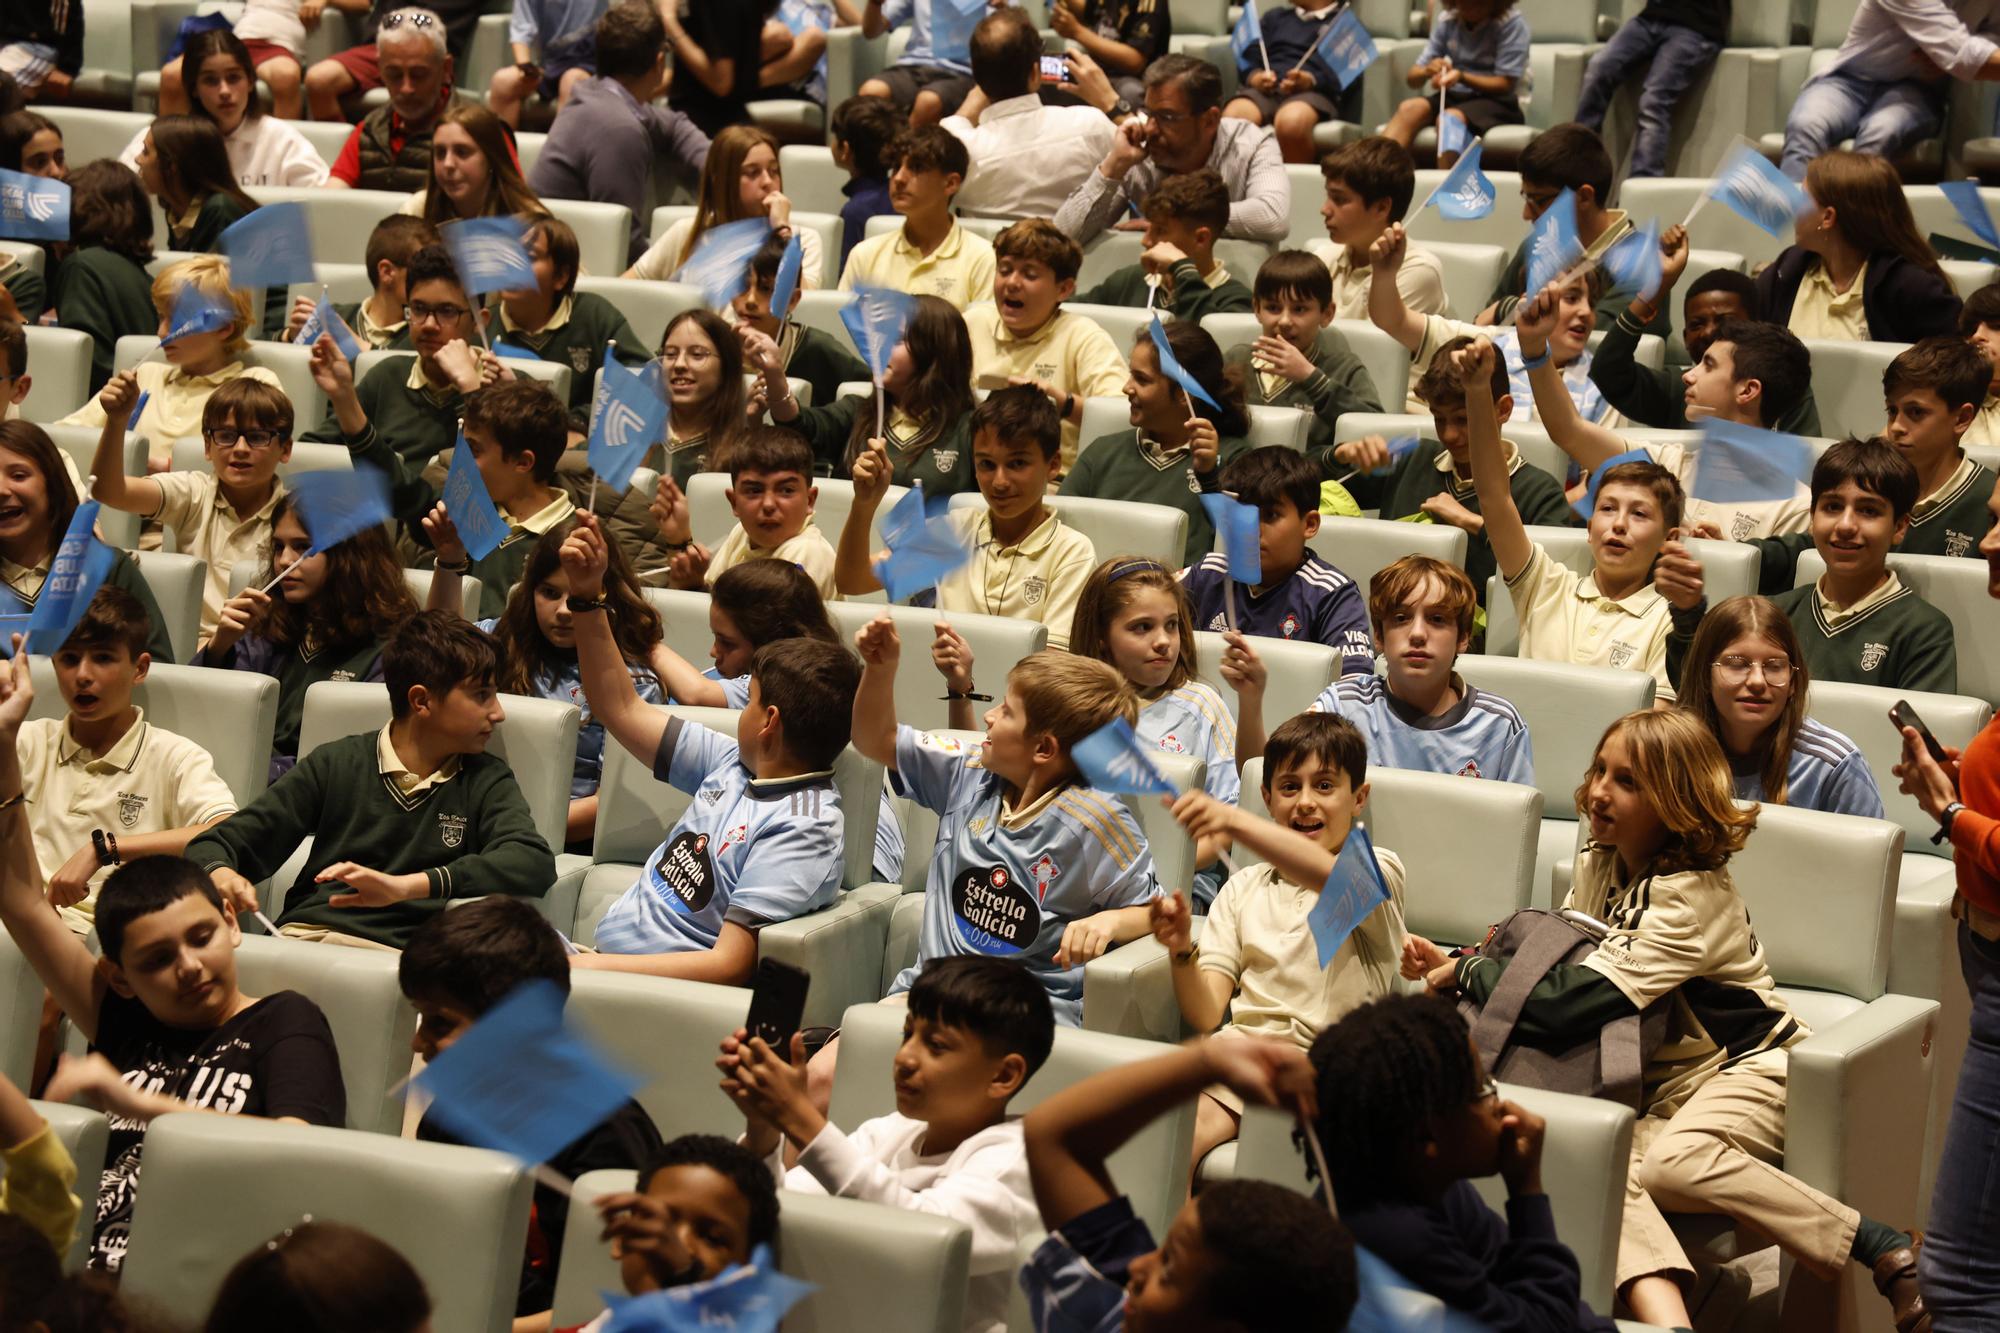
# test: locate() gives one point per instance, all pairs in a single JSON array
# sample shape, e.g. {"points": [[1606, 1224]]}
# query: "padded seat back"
{"points": [[603, 231], [648, 306], [176, 582], [1387, 360], [1298, 672], [669, 1032], [345, 284], [820, 309], [190, 456], [1847, 383], [85, 1135], [58, 370], [1566, 708], [20, 1010], [80, 443], [1282, 426], [1955, 586], [1115, 527], [340, 220], [1362, 547], [997, 643], [1861, 713], [1821, 889], [1471, 274], [814, 181], [684, 623]]}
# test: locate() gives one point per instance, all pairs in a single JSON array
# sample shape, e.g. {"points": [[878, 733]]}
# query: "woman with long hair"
{"points": [[474, 173], [101, 285], [185, 165], [1858, 267], [703, 361], [741, 179], [220, 75]]}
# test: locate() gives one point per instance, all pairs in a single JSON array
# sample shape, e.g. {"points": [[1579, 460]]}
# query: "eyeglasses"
{"points": [[225, 437], [1169, 117], [693, 356], [1539, 200], [417, 312], [1736, 670], [416, 18]]}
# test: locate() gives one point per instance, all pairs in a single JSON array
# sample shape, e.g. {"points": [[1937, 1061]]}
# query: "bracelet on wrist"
{"points": [[462, 565], [18, 798], [1535, 362], [951, 696]]}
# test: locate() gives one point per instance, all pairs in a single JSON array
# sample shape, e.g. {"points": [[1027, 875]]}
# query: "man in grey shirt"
{"points": [[609, 137], [1181, 130]]}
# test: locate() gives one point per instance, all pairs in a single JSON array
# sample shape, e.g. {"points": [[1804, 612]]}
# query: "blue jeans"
{"points": [[1679, 55], [1882, 118], [1960, 1267]]}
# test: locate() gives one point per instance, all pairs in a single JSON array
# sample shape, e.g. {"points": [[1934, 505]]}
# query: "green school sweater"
{"points": [[1117, 467], [821, 360], [943, 462], [470, 835], [1903, 644], [1191, 299], [1415, 478], [215, 216], [416, 423], [296, 672], [579, 343], [1341, 384], [1654, 397], [107, 296], [29, 290], [1958, 518]]}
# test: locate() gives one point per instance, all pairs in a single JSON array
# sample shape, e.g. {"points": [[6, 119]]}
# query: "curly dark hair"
{"points": [[726, 1157], [363, 597], [526, 654], [1283, 1262]]}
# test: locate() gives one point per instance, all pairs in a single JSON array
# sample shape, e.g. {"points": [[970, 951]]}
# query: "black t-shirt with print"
{"points": [[275, 1059], [1143, 25]]}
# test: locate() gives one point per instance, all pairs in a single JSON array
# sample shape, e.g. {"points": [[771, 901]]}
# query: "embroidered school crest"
{"points": [[1957, 543], [451, 828], [581, 361], [130, 807], [1172, 744], [1044, 871], [1290, 629], [996, 916], [1194, 486], [946, 459], [342, 674], [1033, 589], [1621, 654], [1743, 527], [1872, 655]]}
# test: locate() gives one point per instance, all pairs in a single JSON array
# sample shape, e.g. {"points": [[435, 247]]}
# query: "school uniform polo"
{"points": [[1890, 637], [1818, 311], [377, 336], [150, 781], [1564, 618], [206, 525], [174, 402], [960, 270], [1420, 282], [937, 453], [1737, 522], [1340, 383], [1480, 736], [1070, 353], [809, 550], [1037, 578], [1953, 519]]}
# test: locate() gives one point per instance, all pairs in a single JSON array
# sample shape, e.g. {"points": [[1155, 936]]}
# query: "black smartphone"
{"points": [[1055, 69], [777, 1004], [1905, 716]]}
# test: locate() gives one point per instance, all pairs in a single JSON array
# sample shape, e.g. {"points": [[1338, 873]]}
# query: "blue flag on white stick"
{"points": [[81, 565], [325, 319], [336, 505], [195, 311], [269, 247], [1347, 48], [1757, 191], [1113, 759], [1553, 245], [1465, 193], [1171, 367], [1351, 892], [1453, 133], [1239, 526], [1972, 210], [720, 264], [743, 1298], [1248, 32], [1588, 504], [1633, 265], [876, 319], [489, 254], [470, 507], [1741, 464], [786, 284], [520, 1081], [1400, 445], [629, 418], [920, 552], [33, 208]]}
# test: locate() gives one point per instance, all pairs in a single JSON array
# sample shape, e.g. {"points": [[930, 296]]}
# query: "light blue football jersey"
{"points": [[563, 682], [1007, 886], [1825, 772], [746, 851], [1194, 721], [1481, 736]]}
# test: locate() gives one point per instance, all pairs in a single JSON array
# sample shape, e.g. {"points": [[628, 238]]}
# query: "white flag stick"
{"points": [[1688, 221], [275, 581], [265, 922], [1262, 54], [590, 504]]}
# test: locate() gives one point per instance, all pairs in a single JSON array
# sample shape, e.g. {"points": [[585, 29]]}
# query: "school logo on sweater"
{"points": [[1743, 527], [1872, 655], [686, 871], [1621, 653], [946, 459], [581, 361], [451, 828], [342, 674], [130, 807], [1033, 588], [1957, 543], [995, 914]]}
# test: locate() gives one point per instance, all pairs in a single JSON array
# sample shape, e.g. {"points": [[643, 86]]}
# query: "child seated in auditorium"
{"points": [[1617, 615], [1434, 484], [772, 494], [1029, 864], [1477, 60], [804, 352], [1027, 564], [1421, 715], [221, 516], [1025, 334], [1247, 1255], [38, 1214], [169, 1028], [1290, 84], [978, 1029], [1178, 443], [104, 785], [930, 254], [1858, 622], [1299, 361], [1935, 390], [1258, 965], [863, 130], [14, 374], [1567, 157], [923, 85], [1300, 594], [761, 842], [1178, 274], [1369, 184], [403, 819], [558, 323], [1979, 324], [1408, 1120], [382, 321], [458, 965]]}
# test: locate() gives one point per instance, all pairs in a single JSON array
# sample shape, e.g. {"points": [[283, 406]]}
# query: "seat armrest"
{"points": [[1130, 991], [840, 947]]}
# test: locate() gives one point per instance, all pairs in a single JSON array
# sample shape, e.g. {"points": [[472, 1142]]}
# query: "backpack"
{"points": [[1610, 1065]]}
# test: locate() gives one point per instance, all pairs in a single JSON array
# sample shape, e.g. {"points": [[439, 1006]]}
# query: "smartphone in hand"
{"points": [[777, 1004], [1905, 716]]}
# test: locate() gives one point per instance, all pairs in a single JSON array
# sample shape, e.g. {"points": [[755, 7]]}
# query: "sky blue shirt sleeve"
{"points": [[793, 867], [1443, 28], [736, 691], [1327, 702], [896, 13], [525, 25], [932, 771], [1512, 57], [1852, 789], [1136, 883], [1518, 761], [689, 752]]}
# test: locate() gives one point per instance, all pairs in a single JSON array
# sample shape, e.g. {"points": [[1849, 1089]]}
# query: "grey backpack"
{"points": [[1610, 1065]]}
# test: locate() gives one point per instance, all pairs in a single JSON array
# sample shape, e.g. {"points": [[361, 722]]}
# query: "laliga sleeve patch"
{"points": [[685, 873], [996, 915]]}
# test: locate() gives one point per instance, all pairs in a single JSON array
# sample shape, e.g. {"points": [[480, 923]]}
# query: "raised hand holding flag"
{"points": [[720, 263], [1171, 367], [877, 318], [786, 284], [922, 548], [1553, 244], [1755, 191], [1400, 445], [324, 320], [466, 501], [33, 208], [1634, 265], [270, 246], [80, 566], [1354, 889], [629, 418]]}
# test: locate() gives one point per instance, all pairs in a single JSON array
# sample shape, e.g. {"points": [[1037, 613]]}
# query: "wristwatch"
{"points": [[1120, 109], [1187, 955], [1945, 816], [579, 605]]}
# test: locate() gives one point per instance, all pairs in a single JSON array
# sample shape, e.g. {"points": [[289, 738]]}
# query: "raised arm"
{"points": [[854, 559], [607, 682], [447, 591], [1385, 299], [1588, 443], [874, 728], [1244, 671], [1504, 529], [685, 685], [108, 482], [1297, 857], [1202, 993]]}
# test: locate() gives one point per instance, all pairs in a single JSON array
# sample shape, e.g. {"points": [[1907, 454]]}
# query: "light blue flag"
{"points": [[1741, 464], [1113, 759], [876, 319], [1553, 245], [1351, 892], [336, 505], [742, 1298], [720, 264], [489, 254], [1400, 445], [138, 410], [1453, 134], [325, 319], [1965, 198], [1588, 504], [197, 312], [629, 418], [269, 247], [920, 552], [1465, 194], [521, 1081], [786, 284], [81, 565], [1346, 47], [1248, 32], [1239, 526], [1171, 367], [469, 507], [33, 208], [1633, 265], [1757, 191], [952, 22], [910, 513]]}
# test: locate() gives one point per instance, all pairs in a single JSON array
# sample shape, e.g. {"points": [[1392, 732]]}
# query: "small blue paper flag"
{"points": [[1398, 446], [1239, 526], [1757, 191], [1553, 244], [1972, 211], [1346, 47], [1453, 134], [720, 263], [1171, 367], [469, 507], [925, 553], [1465, 194], [336, 505], [1114, 760], [1248, 33], [786, 284], [742, 1298], [138, 410], [324, 320], [877, 318], [1634, 265], [269, 246], [80, 566], [1741, 464], [628, 419], [1588, 504], [195, 311], [33, 208], [1353, 890], [489, 254], [521, 1081]]}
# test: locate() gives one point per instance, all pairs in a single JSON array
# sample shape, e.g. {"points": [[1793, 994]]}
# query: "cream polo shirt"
{"points": [[1565, 619], [376, 335], [150, 781], [1420, 281], [26, 580], [207, 526], [1737, 522], [174, 402], [1818, 311], [391, 766], [1037, 578], [809, 550], [1071, 353], [557, 317], [1985, 427], [960, 270]]}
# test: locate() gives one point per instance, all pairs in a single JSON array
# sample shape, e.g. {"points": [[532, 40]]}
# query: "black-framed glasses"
{"points": [[417, 312], [225, 437]]}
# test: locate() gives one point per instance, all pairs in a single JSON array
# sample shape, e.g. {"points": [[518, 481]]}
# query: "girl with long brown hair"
{"points": [[741, 179], [703, 361], [185, 165], [473, 171]]}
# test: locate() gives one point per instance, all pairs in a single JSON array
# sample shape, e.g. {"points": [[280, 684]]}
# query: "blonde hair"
{"points": [[209, 275], [1110, 590], [1069, 696], [1737, 618], [1684, 777]]}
